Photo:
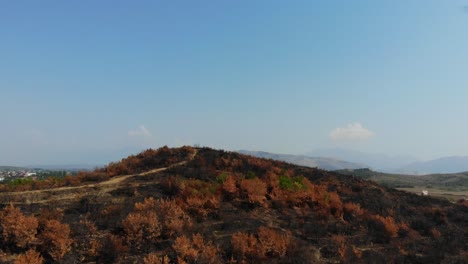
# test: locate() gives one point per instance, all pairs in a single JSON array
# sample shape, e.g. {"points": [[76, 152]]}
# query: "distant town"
{"points": [[13, 173]]}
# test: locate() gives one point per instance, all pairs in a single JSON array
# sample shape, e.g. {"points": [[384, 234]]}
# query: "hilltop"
{"points": [[200, 205]]}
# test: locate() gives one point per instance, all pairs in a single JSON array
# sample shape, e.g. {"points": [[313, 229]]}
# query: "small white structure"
{"points": [[425, 193]]}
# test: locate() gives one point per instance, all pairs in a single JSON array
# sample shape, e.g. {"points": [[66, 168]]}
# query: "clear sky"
{"points": [[94, 81]]}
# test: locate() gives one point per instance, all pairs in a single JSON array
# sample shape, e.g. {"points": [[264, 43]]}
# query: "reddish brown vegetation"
{"points": [[268, 243], [17, 229], [199, 197], [353, 209], [229, 187], [86, 237], [247, 210], [391, 228], [148, 159], [30, 257], [27, 232], [155, 259], [153, 219], [195, 250], [55, 239], [255, 190], [142, 225]]}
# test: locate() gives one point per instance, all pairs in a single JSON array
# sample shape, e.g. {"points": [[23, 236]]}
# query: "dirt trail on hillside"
{"points": [[73, 192]]}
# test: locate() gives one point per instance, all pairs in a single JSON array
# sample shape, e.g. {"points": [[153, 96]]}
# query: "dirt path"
{"points": [[72, 192]]}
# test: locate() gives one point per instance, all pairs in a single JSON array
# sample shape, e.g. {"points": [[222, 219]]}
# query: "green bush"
{"points": [[250, 175], [294, 184], [285, 182], [222, 177], [17, 182]]}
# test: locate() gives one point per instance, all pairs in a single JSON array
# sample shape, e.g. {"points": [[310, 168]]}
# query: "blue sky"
{"points": [[94, 81]]}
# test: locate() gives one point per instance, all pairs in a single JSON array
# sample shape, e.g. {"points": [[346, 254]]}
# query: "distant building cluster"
{"points": [[6, 174]]}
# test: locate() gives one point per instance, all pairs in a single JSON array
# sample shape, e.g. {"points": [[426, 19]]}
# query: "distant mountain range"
{"points": [[376, 161], [319, 162], [396, 164], [339, 159], [453, 164]]}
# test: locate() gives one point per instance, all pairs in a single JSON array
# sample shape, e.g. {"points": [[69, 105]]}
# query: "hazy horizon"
{"points": [[92, 82]]}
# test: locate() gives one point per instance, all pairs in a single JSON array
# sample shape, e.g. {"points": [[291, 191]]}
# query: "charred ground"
{"points": [[190, 205]]}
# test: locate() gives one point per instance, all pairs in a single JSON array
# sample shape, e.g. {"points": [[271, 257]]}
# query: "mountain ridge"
{"points": [[303, 160], [449, 164]]}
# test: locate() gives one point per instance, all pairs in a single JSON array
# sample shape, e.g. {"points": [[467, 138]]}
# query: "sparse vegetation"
{"points": [[221, 207]]}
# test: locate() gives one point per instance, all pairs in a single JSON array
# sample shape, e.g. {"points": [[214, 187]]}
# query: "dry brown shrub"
{"points": [[273, 243], [141, 227], [153, 258], [196, 205], [300, 195], [229, 187], [327, 203], [17, 228], [200, 198], [55, 239], [49, 214], [89, 226], [353, 209], [153, 219], [30, 257], [201, 206], [269, 243], [85, 234], [255, 190], [404, 226], [391, 228], [195, 250], [172, 217], [277, 195], [147, 205], [336, 206], [348, 253], [244, 245], [272, 179], [184, 248]]}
